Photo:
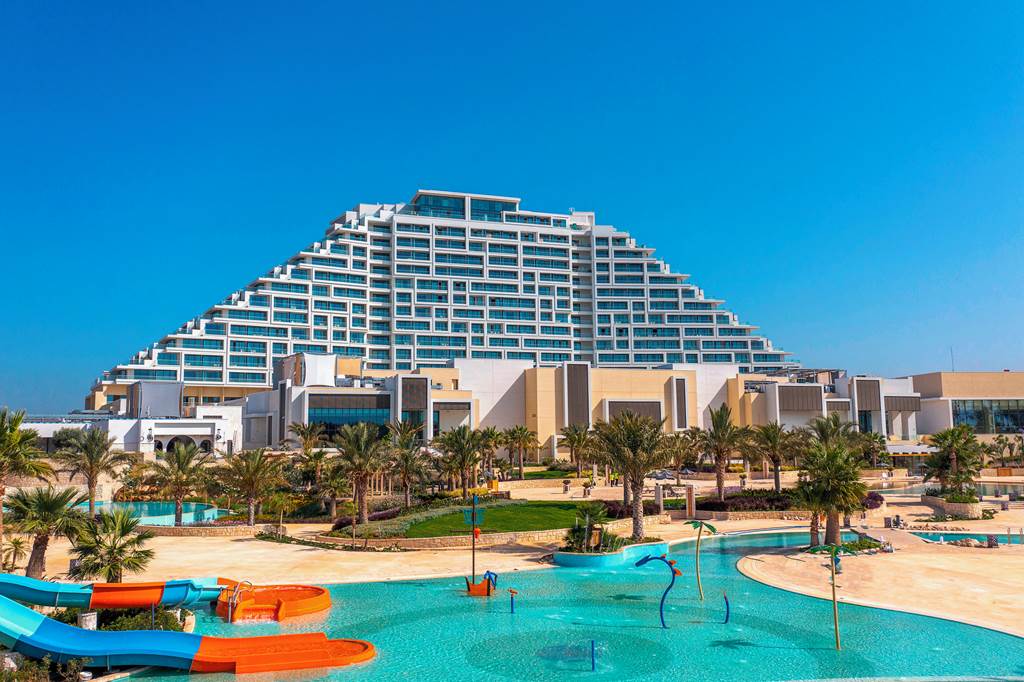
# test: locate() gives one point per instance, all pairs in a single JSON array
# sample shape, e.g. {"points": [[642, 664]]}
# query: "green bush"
{"points": [[961, 497], [123, 619], [45, 671], [861, 544]]}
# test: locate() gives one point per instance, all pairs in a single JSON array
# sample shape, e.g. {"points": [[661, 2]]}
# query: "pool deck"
{"points": [[973, 585]]}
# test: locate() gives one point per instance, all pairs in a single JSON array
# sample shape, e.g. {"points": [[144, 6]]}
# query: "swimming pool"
{"points": [[1015, 538], [984, 489], [428, 629], [160, 513]]}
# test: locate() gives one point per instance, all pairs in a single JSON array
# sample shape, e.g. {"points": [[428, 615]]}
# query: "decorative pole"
{"points": [[675, 571], [700, 526], [833, 552]]}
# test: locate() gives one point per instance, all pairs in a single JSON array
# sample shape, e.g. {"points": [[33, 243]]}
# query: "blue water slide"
{"points": [[44, 593], [188, 592]]}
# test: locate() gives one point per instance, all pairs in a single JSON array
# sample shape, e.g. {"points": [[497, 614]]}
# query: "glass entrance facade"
{"points": [[990, 416]]}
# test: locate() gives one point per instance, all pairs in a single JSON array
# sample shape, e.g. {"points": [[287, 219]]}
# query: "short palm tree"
{"points": [[180, 473], [309, 438], [464, 446], [362, 455], [873, 446], [577, 438], [92, 456], [407, 461], [44, 513], [635, 445], [492, 439], [773, 444], [252, 475], [19, 455], [957, 459], [833, 474], [110, 546], [334, 484], [806, 496], [721, 442], [685, 449], [519, 439], [12, 551]]}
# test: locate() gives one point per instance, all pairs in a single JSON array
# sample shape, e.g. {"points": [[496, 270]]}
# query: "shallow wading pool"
{"points": [[429, 629], [160, 513]]}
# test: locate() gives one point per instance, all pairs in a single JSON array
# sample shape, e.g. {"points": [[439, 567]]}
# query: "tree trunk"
{"points": [[3, 494], [465, 485], [332, 507], [679, 480], [408, 494], [251, 509], [625, 492], [832, 528], [777, 470], [720, 477], [638, 510], [522, 474], [815, 529], [364, 514], [177, 511], [92, 500], [37, 559]]}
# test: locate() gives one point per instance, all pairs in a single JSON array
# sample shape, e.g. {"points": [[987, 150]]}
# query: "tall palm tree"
{"points": [[362, 454], [179, 473], [407, 461], [806, 496], [833, 474], [110, 546], [721, 441], [577, 438], [873, 446], [492, 440], [832, 430], [773, 444], [309, 438], [334, 484], [253, 475], [44, 513], [464, 446], [635, 445], [19, 455], [91, 456]]}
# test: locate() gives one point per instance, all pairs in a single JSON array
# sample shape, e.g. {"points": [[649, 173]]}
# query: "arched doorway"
{"points": [[206, 446], [179, 440]]}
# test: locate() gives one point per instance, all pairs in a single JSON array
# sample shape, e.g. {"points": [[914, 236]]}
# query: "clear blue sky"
{"points": [[850, 178]]}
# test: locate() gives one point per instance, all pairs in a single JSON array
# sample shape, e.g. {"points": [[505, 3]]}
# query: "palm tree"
{"points": [[577, 438], [44, 513], [806, 496], [873, 446], [720, 442], [253, 475], [635, 445], [833, 474], [110, 546], [685, 449], [519, 439], [492, 439], [309, 438], [362, 454], [832, 430], [772, 443], [463, 445], [334, 484], [179, 473], [12, 551], [957, 448], [91, 457], [701, 527], [407, 462], [19, 455]]}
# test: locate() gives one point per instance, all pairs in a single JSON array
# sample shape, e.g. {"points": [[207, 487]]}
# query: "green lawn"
{"points": [[532, 475], [509, 517]]}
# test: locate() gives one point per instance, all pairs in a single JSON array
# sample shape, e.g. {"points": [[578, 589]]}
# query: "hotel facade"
{"points": [[451, 276]]}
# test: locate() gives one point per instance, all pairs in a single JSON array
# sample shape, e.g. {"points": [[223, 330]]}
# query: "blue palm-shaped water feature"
{"points": [[675, 571]]}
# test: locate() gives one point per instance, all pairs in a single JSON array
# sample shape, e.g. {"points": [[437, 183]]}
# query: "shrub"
{"points": [[873, 500], [861, 544], [562, 466], [933, 492], [575, 541], [123, 619], [384, 515], [988, 514], [748, 500], [617, 510], [736, 469], [961, 497]]}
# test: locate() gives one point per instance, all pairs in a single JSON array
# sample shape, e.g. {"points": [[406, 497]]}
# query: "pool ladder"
{"points": [[236, 594]]}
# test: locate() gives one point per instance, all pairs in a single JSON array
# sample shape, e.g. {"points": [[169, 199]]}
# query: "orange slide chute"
{"points": [[278, 652], [125, 595], [272, 602]]}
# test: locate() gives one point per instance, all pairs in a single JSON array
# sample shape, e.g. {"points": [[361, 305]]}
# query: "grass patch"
{"points": [[547, 475], [524, 516]]}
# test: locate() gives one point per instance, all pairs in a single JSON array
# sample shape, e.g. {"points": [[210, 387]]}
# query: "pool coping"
{"points": [[857, 601]]}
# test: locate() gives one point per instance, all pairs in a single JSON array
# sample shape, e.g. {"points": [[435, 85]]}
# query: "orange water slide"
{"points": [[278, 652], [125, 595], [272, 602]]}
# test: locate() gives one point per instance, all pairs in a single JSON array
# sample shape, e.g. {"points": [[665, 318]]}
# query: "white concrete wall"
{"points": [[936, 415], [711, 387], [500, 388]]}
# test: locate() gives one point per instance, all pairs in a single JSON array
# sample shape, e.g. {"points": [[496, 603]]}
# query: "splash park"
{"points": [[630, 620]]}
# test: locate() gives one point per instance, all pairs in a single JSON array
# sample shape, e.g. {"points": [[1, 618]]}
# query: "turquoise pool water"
{"points": [[162, 513], [1014, 536], [986, 489], [428, 629]]}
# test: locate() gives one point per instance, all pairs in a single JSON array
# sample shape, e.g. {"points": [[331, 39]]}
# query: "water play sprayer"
{"points": [[675, 572]]}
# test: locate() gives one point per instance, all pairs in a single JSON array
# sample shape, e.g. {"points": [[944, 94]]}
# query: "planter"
{"points": [[968, 510], [214, 531], [626, 556]]}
